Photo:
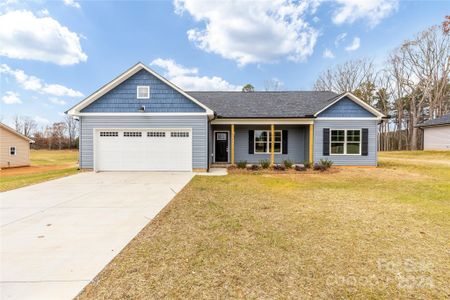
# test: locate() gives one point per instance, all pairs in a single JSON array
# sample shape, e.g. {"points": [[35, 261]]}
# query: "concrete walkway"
{"points": [[57, 236]]}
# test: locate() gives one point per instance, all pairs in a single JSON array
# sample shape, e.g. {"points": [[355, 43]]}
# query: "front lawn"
{"points": [[44, 165], [355, 233]]}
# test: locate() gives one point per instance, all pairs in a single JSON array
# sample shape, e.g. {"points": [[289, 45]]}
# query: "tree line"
{"points": [[57, 136], [412, 86]]}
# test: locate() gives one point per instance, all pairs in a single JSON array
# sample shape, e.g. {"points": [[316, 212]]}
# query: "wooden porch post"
{"points": [[272, 144], [311, 143], [232, 144]]}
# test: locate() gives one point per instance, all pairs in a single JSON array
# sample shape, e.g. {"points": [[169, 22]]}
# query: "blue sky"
{"points": [[55, 53]]}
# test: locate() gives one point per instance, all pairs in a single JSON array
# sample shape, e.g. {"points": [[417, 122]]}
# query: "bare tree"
{"points": [[58, 133], [72, 129], [25, 125], [273, 84], [346, 77]]}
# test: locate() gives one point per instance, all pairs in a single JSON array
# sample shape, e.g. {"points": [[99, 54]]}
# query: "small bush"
{"points": [[242, 164], [326, 162], [323, 164], [288, 163], [265, 163], [279, 167], [307, 164], [300, 167], [253, 168]]}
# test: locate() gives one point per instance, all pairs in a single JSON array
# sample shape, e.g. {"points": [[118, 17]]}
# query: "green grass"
{"points": [[14, 182], [356, 233], [45, 165]]}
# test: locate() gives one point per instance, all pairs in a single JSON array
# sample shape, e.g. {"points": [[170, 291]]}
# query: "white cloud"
{"points": [[328, 53], [372, 11], [57, 101], [72, 3], [41, 120], [340, 38], [26, 36], [354, 45], [252, 31], [43, 12], [188, 78], [32, 83], [11, 98]]}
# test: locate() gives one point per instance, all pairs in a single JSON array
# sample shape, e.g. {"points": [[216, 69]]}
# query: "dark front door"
{"points": [[221, 146]]}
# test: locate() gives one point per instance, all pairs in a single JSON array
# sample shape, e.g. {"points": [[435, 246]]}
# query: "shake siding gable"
{"points": [[346, 108], [123, 98]]}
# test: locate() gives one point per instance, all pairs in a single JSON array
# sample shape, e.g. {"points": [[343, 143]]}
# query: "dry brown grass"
{"points": [[356, 233]]}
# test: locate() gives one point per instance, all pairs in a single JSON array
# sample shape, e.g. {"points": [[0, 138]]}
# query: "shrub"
{"points": [[307, 164], [300, 167], [279, 167], [326, 162], [323, 164], [288, 163], [265, 163], [253, 168], [242, 164]]}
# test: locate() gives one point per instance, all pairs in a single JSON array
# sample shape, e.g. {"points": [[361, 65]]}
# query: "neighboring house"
{"points": [[436, 133], [14, 148], [142, 121]]}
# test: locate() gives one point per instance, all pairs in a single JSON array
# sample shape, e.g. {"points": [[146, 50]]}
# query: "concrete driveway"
{"points": [[58, 235]]}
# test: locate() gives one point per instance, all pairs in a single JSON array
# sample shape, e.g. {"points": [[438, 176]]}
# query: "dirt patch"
{"points": [[33, 169]]}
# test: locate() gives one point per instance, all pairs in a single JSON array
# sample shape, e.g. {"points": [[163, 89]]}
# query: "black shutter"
{"points": [[326, 141], [251, 142], [285, 141], [365, 142]]}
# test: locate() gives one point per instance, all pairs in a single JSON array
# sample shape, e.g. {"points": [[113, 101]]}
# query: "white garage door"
{"points": [[143, 150]]}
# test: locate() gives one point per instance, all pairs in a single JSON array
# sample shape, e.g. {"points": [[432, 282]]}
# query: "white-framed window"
{"points": [[143, 92], [109, 133], [156, 134], [132, 134], [263, 140], [12, 151], [179, 134], [345, 141]]}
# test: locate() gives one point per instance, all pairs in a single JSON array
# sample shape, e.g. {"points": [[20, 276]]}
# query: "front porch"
{"points": [[253, 142]]}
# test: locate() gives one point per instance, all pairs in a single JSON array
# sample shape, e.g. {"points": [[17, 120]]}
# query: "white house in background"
{"points": [[14, 148], [436, 133]]}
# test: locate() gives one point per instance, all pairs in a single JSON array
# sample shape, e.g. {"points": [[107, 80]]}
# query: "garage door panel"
{"points": [[144, 150]]}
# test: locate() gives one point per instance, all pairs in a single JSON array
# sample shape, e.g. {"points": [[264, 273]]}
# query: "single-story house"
{"points": [[14, 148], [436, 133], [141, 121]]}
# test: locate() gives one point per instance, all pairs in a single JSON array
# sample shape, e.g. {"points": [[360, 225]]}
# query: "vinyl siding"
{"points": [[199, 125], [297, 143], [347, 160], [162, 97], [346, 108], [437, 138], [7, 140]]}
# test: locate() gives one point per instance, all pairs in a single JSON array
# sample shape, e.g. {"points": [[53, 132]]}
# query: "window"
{"points": [[143, 92], [156, 134], [179, 134], [345, 141], [263, 139], [132, 134], [12, 151], [109, 133], [222, 136]]}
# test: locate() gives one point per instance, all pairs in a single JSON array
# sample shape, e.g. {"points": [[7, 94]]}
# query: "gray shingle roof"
{"points": [[445, 119], [265, 104]]}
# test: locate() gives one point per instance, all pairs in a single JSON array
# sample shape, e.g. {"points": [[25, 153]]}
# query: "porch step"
{"points": [[220, 165]]}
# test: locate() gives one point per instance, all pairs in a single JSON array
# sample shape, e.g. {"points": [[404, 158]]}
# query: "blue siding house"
{"points": [[140, 121]]}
